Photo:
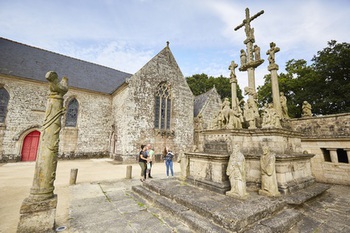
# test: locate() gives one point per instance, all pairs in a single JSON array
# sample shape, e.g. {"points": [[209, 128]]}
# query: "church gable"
{"points": [[163, 104], [207, 106]]}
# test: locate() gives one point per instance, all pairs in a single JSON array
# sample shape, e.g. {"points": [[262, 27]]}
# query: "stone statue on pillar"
{"points": [[40, 206], [272, 59], [273, 67], [233, 81]]}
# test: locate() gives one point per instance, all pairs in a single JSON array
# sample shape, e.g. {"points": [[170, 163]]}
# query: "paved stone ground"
{"points": [[327, 213], [111, 207]]}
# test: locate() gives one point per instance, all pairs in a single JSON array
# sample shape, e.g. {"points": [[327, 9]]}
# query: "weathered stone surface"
{"points": [[283, 221], [30, 206], [37, 216], [307, 193]]}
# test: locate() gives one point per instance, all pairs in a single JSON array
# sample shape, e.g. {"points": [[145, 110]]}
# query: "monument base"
{"points": [[208, 168], [37, 215]]}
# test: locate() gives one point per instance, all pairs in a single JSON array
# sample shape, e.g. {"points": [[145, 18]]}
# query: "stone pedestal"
{"points": [[37, 215], [208, 168], [208, 171]]}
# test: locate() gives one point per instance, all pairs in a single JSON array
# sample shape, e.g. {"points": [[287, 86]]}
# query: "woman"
{"points": [[143, 162], [168, 158]]}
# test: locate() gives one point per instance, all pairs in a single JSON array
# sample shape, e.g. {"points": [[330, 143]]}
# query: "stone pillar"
{"points": [[39, 209], [128, 172], [233, 81], [334, 155], [251, 78], [273, 67], [275, 90], [348, 153]]}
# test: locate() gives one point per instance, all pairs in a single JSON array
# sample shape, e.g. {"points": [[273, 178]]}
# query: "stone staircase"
{"points": [[206, 211]]}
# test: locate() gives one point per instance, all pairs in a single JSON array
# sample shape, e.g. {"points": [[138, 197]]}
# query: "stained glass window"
{"points": [[4, 99], [72, 113], [162, 109]]}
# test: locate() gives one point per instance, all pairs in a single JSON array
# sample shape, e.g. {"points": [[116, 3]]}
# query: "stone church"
{"points": [[109, 113]]}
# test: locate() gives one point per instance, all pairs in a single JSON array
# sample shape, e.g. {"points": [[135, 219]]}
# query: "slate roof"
{"points": [[28, 62], [200, 100]]}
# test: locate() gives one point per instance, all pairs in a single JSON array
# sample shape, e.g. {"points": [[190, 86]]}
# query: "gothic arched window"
{"points": [[162, 110], [72, 113], [4, 100]]}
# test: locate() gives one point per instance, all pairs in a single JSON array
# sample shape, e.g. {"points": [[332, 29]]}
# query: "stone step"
{"points": [[195, 221], [230, 213], [303, 195], [280, 222]]}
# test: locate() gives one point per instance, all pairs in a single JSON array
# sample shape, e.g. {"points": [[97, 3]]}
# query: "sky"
{"points": [[126, 34]]}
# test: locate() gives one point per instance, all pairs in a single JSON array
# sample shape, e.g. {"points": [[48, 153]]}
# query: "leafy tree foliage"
{"points": [[325, 84], [201, 83]]}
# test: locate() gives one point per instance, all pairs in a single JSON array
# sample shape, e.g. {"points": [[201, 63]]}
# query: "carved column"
{"points": [[348, 153], [39, 209], [334, 155]]}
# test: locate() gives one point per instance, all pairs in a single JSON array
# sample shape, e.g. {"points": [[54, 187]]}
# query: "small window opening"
{"points": [[326, 155], [342, 156]]}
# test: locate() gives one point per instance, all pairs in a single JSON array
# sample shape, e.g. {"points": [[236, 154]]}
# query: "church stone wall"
{"points": [[91, 136], [26, 112], [328, 137], [137, 102]]}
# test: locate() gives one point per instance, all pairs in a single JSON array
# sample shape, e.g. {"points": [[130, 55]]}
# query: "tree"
{"points": [[324, 84], [198, 83], [332, 64], [201, 83]]}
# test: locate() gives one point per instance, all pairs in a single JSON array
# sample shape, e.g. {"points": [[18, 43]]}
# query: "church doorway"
{"points": [[30, 146]]}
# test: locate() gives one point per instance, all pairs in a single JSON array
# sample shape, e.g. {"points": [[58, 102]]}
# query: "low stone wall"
{"points": [[328, 137], [330, 126]]}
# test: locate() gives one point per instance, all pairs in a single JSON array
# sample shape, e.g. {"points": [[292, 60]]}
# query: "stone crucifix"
{"points": [[40, 206], [249, 41], [273, 67]]}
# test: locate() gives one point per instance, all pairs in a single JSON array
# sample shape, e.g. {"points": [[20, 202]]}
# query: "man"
{"points": [[150, 155]]}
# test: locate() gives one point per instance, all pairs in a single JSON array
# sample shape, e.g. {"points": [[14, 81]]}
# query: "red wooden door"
{"points": [[30, 146]]}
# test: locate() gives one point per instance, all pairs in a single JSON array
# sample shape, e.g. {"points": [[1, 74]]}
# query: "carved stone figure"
{"points": [[284, 107], [249, 31], [225, 110], [270, 117], [237, 174], [306, 109], [183, 160], [243, 57], [251, 112], [232, 68], [257, 53], [269, 185], [236, 118], [271, 52]]}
